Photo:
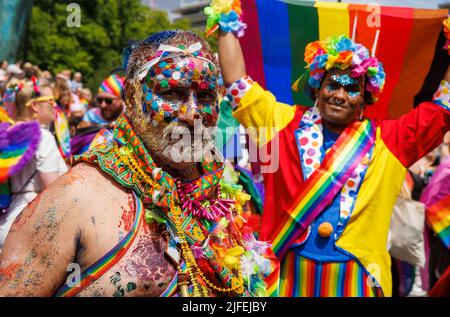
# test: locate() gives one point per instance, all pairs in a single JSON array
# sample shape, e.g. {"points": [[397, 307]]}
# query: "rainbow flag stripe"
{"points": [[19, 144], [113, 85], [96, 270], [438, 217], [278, 32], [62, 133], [325, 182], [302, 277]]}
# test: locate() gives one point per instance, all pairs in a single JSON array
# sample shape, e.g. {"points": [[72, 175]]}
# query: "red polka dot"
{"points": [[237, 100], [303, 141], [234, 92], [308, 161]]}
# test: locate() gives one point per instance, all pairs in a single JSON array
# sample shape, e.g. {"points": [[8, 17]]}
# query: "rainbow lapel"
{"points": [[438, 217], [324, 183]]}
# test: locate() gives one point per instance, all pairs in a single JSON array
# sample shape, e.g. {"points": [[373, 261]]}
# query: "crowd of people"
{"points": [[92, 179]]}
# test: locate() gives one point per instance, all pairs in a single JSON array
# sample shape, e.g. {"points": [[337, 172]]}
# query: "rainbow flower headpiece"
{"points": [[342, 53], [225, 15]]}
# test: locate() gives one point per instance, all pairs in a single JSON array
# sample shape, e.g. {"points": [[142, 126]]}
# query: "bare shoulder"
{"points": [[86, 185], [46, 236]]}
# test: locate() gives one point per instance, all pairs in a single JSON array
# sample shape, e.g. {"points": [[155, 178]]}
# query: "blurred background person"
{"points": [[62, 94], [76, 82], [46, 164], [109, 103]]}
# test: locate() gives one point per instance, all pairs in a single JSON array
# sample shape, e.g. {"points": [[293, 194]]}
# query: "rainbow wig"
{"points": [[342, 53]]}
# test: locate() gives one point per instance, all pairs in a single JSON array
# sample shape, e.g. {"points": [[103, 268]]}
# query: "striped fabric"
{"points": [[438, 217], [324, 183], [113, 85], [302, 277], [278, 32]]}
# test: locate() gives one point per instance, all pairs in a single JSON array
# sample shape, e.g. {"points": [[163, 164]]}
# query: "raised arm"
{"points": [[421, 130], [231, 58], [39, 246], [253, 106]]}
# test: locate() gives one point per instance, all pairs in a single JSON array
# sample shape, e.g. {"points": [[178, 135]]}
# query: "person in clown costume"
{"points": [[328, 204]]}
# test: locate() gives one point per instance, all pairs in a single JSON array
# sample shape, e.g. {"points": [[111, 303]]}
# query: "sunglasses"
{"points": [[107, 100]]}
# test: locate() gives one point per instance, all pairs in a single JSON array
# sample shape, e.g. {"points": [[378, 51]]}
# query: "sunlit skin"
{"points": [[340, 99]]}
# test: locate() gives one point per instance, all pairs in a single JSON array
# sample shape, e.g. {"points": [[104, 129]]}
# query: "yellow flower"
{"points": [[330, 61], [222, 6]]}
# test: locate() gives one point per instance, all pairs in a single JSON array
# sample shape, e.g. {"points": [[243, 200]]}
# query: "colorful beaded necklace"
{"points": [[207, 221]]}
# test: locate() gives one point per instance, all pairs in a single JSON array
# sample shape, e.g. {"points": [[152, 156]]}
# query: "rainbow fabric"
{"points": [[96, 270], [112, 85], [62, 133], [438, 217], [18, 144], [324, 183], [302, 277], [278, 32]]}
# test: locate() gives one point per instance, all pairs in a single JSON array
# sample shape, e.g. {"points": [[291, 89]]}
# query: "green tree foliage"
{"points": [[94, 48]]}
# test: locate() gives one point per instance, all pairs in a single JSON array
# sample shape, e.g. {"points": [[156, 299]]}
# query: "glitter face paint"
{"points": [[181, 85], [350, 85]]}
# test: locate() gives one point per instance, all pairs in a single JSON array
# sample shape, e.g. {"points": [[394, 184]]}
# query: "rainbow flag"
{"points": [[438, 217], [18, 144], [410, 46], [62, 133]]}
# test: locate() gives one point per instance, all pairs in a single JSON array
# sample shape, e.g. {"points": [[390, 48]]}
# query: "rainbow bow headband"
{"points": [[343, 53], [166, 52]]}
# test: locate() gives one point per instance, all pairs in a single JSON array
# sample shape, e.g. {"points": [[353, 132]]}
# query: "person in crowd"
{"points": [[62, 94], [109, 103], [328, 204], [436, 197], [99, 204], [44, 163], [76, 82]]}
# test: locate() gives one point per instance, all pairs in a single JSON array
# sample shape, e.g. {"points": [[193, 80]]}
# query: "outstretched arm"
{"points": [[231, 58], [421, 130]]}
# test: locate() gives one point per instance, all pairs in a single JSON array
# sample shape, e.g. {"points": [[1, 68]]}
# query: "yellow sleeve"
{"points": [[260, 112]]}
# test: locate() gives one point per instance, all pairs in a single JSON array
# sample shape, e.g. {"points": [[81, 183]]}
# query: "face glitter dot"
{"points": [[176, 75], [164, 84]]}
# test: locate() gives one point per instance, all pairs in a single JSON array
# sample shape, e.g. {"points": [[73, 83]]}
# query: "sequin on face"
{"points": [[181, 85], [348, 83]]}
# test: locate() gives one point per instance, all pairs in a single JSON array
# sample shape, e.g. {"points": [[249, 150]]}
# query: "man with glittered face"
{"points": [[148, 213], [328, 205]]}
